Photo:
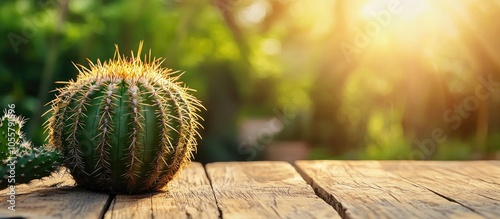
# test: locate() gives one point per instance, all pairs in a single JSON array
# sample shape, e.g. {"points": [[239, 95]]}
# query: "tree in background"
{"points": [[376, 99]]}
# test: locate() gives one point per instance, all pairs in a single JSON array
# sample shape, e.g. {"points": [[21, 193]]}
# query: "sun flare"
{"points": [[405, 8]]}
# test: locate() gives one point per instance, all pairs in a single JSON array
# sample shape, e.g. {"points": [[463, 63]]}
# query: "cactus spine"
{"points": [[125, 125], [21, 162], [11, 134]]}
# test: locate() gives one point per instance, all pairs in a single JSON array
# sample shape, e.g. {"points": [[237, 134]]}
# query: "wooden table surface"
{"points": [[307, 189]]}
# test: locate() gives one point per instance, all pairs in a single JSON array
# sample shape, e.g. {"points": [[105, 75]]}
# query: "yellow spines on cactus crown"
{"points": [[122, 67]]}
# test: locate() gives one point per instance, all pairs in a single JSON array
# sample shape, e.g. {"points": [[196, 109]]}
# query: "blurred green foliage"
{"points": [[265, 58]]}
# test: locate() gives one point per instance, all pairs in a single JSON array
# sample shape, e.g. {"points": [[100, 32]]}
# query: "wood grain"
{"points": [[366, 189], [54, 197], [188, 195], [473, 184], [358, 189], [264, 190]]}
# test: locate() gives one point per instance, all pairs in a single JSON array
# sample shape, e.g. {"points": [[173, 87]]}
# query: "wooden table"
{"points": [[307, 189]]}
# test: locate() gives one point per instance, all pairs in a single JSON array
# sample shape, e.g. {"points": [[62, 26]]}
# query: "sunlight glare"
{"points": [[410, 8], [254, 13]]}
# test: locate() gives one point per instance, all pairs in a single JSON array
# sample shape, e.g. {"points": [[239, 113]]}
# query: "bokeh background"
{"points": [[284, 79]]}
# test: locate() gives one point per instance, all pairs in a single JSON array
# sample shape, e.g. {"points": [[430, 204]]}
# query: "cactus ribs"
{"points": [[126, 125]]}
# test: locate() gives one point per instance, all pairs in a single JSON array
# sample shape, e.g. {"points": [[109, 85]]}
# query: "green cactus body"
{"points": [[21, 162], [30, 163], [10, 134], [124, 126]]}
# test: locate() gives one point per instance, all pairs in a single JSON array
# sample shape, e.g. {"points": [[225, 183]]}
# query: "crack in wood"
{"points": [[361, 189], [110, 200], [308, 189], [319, 191], [151, 212], [213, 192], [264, 189], [454, 201], [482, 180], [443, 182], [494, 199]]}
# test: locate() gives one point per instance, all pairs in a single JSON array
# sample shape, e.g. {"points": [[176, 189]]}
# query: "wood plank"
{"points": [[264, 190], [481, 170], [494, 162], [54, 197], [364, 189], [189, 195], [471, 184]]}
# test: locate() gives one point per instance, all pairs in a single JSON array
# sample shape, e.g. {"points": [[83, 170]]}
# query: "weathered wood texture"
{"points": [[474, 185], [357, 189], [264, 190], [189, 195], [390, 189], [54, 197]]}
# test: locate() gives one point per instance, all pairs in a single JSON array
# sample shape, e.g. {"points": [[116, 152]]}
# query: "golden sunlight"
{"points": [[406, 8], [407, 24]]}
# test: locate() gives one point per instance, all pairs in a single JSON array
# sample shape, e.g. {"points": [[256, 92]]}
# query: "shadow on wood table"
{"points": [[308, 189]]}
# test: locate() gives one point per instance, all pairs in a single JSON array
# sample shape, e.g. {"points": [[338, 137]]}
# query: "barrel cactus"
{"points": [[126, 125]]}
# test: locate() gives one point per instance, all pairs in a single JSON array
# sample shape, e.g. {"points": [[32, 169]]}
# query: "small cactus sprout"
{"points": [[21, 162], [10, 134], [125, 125], [28, 164]]}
